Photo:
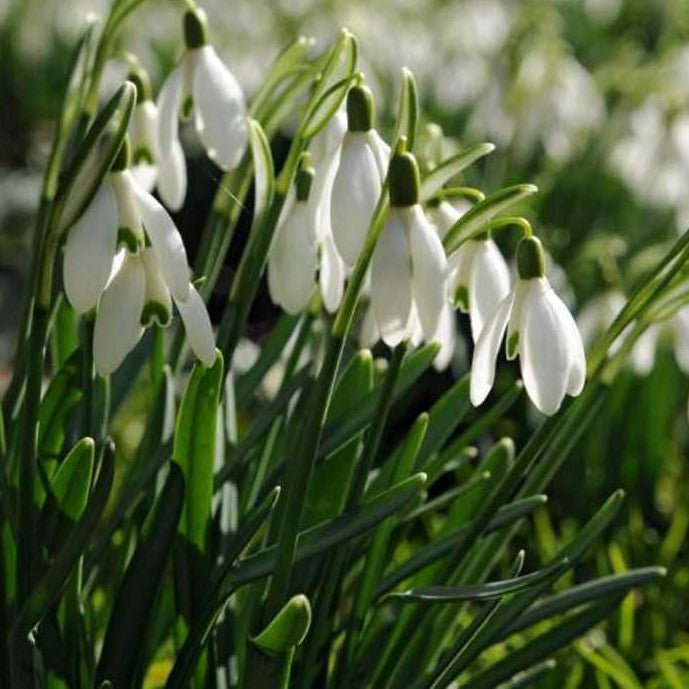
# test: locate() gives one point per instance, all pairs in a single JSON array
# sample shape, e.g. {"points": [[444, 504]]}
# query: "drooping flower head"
{"points": [[125, 256], [359, 178], [149, 167], [202, 85], [540, 330], [408, 266]]}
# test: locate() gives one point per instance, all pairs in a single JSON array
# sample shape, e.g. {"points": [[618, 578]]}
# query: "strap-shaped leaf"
{"points": [[71, 483], [129, 622], [264, 169], [434, 180], [494, 589], [472, 222], [407, 110], [194, 449]]}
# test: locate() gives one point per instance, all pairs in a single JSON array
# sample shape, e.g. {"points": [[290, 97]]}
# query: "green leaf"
{"points": [[131, 611], [288, 628], [444, 172], [264, 170], [473, 221], [494, 589], [72, 480], [95, 155], [407, 110], [194, 449]]}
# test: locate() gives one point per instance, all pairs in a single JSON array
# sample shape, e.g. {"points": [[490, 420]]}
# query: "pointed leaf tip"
{"points": [[288, 628]]}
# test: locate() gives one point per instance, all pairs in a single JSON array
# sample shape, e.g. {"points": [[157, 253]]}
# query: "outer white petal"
{"points": [[167, 243], [117, 327], [172, 178], [414, 327], [381, 151], [369, 335], [356, 189], [643, 354], [220, 109], [89, 251], [198, 326], [169, 102], [429, 268], [331, 275], [544, 351], [391, 291], [442, 217], [293, 261], [446, 336], [489, 284], [577, 356], [486, 351], [145, 175], [458, 274], [680, 324]]}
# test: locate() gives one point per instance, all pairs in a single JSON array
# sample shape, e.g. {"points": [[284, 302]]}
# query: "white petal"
{"points": [[145, 175], [128, 215], [167, 243], [544, 352], [220, 109], [369, 335], [575, 346], [143, 130], [486, 351], [293, 261], [89, 251], [642, 356], [172, 178], [446, 337], [117, 327], [381, 151], [198, 326], [513, 343], [157, 302], [169, 102], [429, 267], [458, 272], [391, 291], [356, 189], [331, 275], [414, 327], [442, 217], [681, 332], [489, 284]]}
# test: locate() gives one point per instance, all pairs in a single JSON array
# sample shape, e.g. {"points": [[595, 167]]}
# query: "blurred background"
{"points": [[588, 99]]}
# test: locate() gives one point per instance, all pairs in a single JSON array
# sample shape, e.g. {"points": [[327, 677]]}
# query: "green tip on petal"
{"points": [[143, 156], [127, 238], [304, 177], [195, 29], [155, 313], [360, 108], [404, 180], [530, 258], [462, 298], [288, 628], [123, 157]]}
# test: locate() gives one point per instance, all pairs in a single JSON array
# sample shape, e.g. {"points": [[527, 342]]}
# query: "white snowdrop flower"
{"points": [[135, 287], [479, 280], [201, 83], [446, 337], [149, 167], [359, 177], [540, 330], [293, 259], [408, 266], [325, 150]]}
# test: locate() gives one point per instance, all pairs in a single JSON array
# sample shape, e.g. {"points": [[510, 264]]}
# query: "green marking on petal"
{"points": [[155, 312], [512, 345], [143, 155], [462, 298], [187, 108], [128, 239]]}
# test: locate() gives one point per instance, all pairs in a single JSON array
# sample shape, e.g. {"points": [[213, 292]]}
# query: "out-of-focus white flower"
{"points": [[358, 181], [135, 288], [202, 83], [408, 267], [149, 167], [540, 330]]}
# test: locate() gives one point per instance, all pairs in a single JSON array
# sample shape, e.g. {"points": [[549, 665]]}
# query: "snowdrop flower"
{"points": [[540, 330], [359, 177], [325, 150], [408, 266], [136, 286], [149, 167], [202, 83], [294, 254]]}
